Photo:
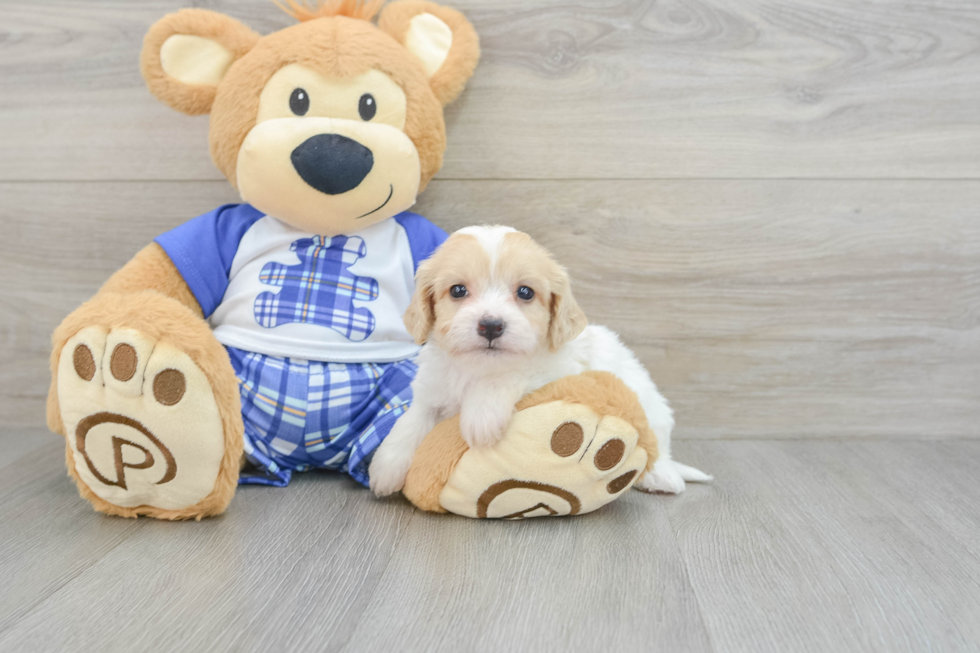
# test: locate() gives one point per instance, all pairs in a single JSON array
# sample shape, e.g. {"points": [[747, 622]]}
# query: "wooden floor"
{"points": [[798, 546], [775, 202]]}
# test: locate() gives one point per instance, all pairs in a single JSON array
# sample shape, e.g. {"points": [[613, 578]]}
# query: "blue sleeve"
{"points": [[423, 236], [203, 249]]}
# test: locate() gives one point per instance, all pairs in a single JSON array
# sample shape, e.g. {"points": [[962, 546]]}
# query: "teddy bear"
{"points": [[266, 338]]}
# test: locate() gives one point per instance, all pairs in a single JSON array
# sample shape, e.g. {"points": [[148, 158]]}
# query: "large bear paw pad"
{"points": [[141, 420], [555, 459]]}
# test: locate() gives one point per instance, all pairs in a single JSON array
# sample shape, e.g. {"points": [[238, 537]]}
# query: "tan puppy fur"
{"points": [[549, 319]]}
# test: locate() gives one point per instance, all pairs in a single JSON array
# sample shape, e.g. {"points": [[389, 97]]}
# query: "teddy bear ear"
{"points": [[186, 55], [441, 38]]}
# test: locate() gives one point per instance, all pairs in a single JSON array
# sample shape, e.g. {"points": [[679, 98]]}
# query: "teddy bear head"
{"points": [[331, 124]]}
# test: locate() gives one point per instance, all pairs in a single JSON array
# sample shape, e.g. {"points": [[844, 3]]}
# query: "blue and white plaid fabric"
{"points": [[320, 290], [302, 415]]}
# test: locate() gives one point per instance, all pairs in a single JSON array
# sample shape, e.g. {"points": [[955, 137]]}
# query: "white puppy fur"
{"points": [[477, 285]]}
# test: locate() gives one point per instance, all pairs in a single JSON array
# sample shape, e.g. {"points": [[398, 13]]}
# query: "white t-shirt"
{"points": [[272, 289]]}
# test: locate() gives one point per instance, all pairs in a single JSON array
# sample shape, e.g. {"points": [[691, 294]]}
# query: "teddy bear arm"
{"points": [[152, 269]]}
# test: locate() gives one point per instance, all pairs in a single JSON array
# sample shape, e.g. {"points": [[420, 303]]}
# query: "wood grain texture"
{"points": [[797, 546], [763, 308], [814, 546], [17, 443], [607, 89], [610, 581], [47, 533], [254, 579]]}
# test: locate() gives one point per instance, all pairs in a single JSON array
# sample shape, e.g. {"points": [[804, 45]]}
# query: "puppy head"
{"points": [[493, 291]]}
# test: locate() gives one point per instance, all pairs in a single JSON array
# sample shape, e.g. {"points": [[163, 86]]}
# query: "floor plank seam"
{"points": [[687, 578], [391, 555]]}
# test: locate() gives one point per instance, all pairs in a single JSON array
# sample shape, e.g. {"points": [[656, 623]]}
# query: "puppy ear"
{"points": [[444, 42], [421, 313], [567, 318], [186, 55]]}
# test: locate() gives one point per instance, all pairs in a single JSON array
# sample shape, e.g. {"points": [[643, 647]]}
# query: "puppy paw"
{"points": [[485, 425], [664, 477], [388, 469]]}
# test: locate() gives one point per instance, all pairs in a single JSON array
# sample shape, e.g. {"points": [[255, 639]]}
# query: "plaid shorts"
{"points": [[302, 415]]}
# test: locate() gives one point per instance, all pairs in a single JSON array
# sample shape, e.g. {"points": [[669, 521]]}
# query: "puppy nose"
{"points": [[331, 163], [490, 328]]}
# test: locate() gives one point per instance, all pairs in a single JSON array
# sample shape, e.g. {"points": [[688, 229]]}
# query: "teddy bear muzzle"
{"points": [[328, 176]]}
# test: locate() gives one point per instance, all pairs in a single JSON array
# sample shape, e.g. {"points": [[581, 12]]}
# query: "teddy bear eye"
{"points": [[525, 293], [458, 291], [367, 107], [299, 102]]}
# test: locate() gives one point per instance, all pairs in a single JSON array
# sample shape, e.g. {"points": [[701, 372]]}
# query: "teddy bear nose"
{"points": [[331, 163]]}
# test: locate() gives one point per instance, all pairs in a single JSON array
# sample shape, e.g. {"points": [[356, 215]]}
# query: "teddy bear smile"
{"points": [[391, 191]]}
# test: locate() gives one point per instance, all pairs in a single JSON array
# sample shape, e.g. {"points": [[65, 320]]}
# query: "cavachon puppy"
{"points": [[500, 321]]}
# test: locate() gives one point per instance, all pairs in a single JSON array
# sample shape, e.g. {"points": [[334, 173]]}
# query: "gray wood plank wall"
{"points": [[774, 201]]}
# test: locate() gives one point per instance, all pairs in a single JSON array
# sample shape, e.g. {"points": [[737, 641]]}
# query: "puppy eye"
{"points": [[525, 293], [458, 291], [299, 102], [367, 107]]}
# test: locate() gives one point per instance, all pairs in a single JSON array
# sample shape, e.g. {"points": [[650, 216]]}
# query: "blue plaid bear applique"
{"points": [[320, 290]]}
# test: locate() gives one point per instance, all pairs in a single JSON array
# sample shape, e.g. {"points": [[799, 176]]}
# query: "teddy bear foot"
{"points": [[587, 461], [577, 448], [144, 430]]}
